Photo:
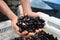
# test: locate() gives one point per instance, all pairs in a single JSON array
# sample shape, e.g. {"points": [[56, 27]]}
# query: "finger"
{"points": [[29, 35], [40, 29], [37, 30], [15, 26], [17, 30], [24, 33], [21, 34]]}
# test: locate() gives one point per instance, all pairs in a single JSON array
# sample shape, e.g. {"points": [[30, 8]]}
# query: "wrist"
{"points": [[28, 13], [14, 18]]}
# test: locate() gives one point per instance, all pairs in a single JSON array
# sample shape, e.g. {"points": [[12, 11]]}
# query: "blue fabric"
{"points": [[41, 4], [54, 1]]}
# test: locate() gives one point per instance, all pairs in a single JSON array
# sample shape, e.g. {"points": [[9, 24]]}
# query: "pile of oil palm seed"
{"points": [[42, 35]]}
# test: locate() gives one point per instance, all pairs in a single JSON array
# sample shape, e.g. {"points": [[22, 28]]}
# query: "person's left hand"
{"points": [[33, 14]]}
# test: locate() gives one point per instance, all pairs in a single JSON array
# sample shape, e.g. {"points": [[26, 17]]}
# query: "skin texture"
{"points": [[26, 10]]}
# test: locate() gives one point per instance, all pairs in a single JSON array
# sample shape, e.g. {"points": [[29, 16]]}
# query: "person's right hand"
{"points": [[16, 29]]}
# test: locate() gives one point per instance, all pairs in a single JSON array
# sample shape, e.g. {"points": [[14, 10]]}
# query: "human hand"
{"points": [[16, 28], [33, 14]]}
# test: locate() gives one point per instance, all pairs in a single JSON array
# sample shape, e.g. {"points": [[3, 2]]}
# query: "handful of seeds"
{"points": [[29, 23]]}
